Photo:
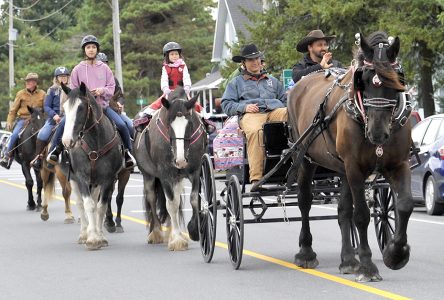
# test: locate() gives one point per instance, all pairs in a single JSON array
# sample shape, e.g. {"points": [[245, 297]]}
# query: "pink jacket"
{"points": [[95, 76]]}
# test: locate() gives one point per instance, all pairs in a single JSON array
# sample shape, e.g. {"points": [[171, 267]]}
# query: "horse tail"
{"points": [[161, 201], [48, 179]]}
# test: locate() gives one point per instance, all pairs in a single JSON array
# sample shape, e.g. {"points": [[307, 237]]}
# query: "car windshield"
{"points": [[432, 131]]}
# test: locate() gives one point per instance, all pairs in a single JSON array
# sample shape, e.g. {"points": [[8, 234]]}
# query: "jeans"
{"points": [[121, 127], [129, 124], [46, 130], [57, 137], [15, 132]]}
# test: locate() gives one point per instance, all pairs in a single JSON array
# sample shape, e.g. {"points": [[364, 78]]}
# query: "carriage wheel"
{"points": [[384, 215], [207, 209], [235, 222]]}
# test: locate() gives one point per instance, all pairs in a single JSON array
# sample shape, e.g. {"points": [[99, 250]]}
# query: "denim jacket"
{"points": [[267, 92]]}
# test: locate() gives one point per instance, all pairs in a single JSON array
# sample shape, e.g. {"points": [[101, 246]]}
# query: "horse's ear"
{"points": [[165, 102], [65, 88], [366, 49], [190, 103], [30, 109], [82, 89], [393, 50]]}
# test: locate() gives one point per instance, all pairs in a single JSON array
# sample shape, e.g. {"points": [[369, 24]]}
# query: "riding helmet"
{"points": [[170, 46], [102, 57], [61, 71], [90, 39]]}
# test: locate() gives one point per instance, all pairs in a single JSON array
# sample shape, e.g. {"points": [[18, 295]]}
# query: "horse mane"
{"points": [[383, 69]]}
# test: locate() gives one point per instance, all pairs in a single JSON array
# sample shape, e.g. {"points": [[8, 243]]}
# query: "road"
{"points": [[42, 260]]}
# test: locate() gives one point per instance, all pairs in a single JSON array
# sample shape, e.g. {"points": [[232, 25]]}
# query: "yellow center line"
{"points": [[270, 259]]}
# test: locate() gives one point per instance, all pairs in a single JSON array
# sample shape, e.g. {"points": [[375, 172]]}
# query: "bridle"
{"points": [[163, 129], [93, 155]]}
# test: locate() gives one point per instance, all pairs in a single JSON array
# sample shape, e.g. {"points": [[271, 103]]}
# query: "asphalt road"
{"points": [[42, 260]]}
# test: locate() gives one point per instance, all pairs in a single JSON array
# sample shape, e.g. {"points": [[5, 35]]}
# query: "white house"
{"points": [[231, 23]]}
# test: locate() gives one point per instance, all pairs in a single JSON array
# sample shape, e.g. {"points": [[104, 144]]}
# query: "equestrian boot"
{"points": [[130, 161], [53, 156], [37, 162], [6, 161]]}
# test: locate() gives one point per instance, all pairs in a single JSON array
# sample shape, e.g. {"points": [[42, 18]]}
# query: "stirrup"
{"points": [[130, 161]]}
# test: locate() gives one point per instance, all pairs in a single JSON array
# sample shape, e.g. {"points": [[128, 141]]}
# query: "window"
{"points": [[418, 132], [431, 133]]}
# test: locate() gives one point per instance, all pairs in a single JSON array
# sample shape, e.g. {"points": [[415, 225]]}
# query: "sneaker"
{"points": [[130, 161]]}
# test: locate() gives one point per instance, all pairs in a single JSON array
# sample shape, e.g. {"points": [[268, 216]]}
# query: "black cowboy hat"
{"points": [[249, 51], [314, 35]]}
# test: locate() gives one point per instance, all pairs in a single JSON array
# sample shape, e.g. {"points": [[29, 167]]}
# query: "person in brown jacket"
{"points": [[31, 96]]}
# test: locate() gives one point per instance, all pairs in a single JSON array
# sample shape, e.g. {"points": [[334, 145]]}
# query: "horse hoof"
{"points": [[396, 257], [30, 207], [109, 228], [365, 278], [82, 239], [38, 208], [306, 258], [44, 217], [349, 267], [155, 237], [69, 220], [119, 229], [93, 244], [193, 231], [104, 243], [178, 244]]}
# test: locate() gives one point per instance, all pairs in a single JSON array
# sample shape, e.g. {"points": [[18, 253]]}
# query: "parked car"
{"points": [[428, 177]]}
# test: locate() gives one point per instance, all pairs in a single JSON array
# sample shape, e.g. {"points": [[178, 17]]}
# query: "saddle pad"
{"points": [[228, 146]]}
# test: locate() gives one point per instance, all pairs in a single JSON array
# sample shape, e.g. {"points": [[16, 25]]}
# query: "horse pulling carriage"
{"points": [[354, 126]]}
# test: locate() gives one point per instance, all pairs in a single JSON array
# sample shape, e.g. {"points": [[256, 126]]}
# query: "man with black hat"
{"points": [[31, 96], [317, 57], [257, 98]]}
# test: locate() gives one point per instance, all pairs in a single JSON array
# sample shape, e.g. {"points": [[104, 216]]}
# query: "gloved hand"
{"points": [[166, 91], [187, 89]]}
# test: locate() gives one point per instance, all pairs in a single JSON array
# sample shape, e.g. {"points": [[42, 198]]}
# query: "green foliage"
{"points": [[146, 25]]}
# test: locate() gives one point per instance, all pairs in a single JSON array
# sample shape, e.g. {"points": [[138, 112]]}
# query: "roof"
{"points": [[212, 81], [240, 20]]}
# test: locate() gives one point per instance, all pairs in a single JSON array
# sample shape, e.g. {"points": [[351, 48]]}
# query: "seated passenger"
{"points": [[257, 98]]}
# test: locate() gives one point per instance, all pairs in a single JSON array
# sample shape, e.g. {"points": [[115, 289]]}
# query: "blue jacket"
{"points": [[52, 102], [267, 92]]}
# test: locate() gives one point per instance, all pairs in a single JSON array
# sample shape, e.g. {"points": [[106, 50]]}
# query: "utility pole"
{"points": [[116, 38], [12, 38]]}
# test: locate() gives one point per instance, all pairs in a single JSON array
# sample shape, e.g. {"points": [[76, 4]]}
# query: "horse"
{"points": [[95, 159], [167, 151], [48, 177], [26, 152], [363, 129]]}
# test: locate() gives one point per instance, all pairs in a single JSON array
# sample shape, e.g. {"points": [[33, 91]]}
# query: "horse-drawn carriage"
{"points": [[352, 123], [235, 197]]}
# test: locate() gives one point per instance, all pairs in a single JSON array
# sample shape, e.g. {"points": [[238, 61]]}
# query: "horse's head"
{"points": [[377, 84], [80, 110], [37, 118], [182, 125]]}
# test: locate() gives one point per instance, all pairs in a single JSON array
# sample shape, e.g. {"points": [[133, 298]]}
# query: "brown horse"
{"points": [[48, 188], [362, 132]]}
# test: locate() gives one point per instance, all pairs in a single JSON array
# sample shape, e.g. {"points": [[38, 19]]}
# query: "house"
{"points": [[231, 23]]}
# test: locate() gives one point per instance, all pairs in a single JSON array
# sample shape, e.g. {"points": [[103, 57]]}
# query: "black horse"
{"points": [[365, 130], [95, 160], [167, 151], [25, 152]]}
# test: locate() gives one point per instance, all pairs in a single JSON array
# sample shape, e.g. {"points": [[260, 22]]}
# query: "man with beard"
{"points": [[317, 57]]}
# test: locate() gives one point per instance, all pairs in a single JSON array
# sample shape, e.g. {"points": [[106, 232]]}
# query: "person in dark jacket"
{"points": [[317, 57]]}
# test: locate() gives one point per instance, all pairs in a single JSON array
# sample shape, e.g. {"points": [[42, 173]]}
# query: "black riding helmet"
{"points": [[102, 57], [170, 46], [90, 39], [61, 71]]}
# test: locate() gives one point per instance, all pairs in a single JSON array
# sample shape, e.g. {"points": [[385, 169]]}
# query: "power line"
{"points": [[43, 18], [24, 8]]}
